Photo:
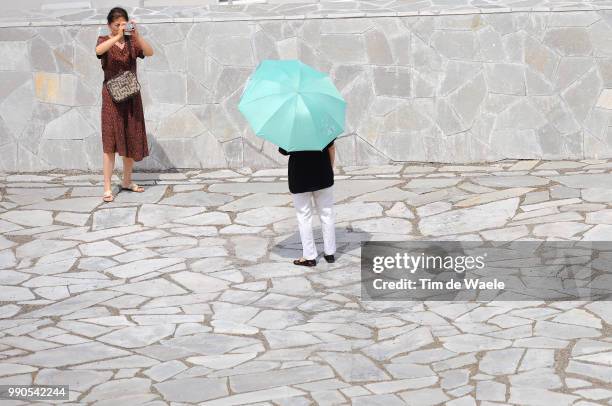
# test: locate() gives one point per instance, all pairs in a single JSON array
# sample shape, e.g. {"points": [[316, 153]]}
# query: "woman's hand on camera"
{"points": [[135, 32]]}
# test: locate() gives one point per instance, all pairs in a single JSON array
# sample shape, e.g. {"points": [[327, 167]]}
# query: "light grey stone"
{"points": [[502, 362], [392, 81], [137, 336], [71, 355], [289, 376], [151, 288], [116, 217], [78, 380], [354, 367], [536, 396], [489, 215], [197, 198], [424, 397], [152, 215]]}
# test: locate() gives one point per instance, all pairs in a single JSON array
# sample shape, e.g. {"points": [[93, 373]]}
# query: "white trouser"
{"points": [[324, 200]]}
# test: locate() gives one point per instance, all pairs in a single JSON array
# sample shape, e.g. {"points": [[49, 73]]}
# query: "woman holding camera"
{"points": [[123, 123]]}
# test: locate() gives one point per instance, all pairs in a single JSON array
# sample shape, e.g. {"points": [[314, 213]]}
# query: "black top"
{"points": [[309, 170]]}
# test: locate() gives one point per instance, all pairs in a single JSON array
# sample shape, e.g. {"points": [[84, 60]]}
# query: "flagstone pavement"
{"points": [[185, 294]]}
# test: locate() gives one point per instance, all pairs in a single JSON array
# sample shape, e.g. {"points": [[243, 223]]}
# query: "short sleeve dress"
{"points": [[123, 124]]}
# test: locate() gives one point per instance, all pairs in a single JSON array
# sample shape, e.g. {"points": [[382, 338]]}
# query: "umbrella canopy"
{"points": [[293, 105]]}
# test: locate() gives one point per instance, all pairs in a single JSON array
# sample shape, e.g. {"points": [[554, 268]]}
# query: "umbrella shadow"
{"points": [[346, 238]]}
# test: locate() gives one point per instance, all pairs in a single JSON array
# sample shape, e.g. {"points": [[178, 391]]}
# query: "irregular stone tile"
{"points": [[596, 194], [405, 342], [490, 390], [105, 234], [164, 371], [151, 288], [76, 219], [472, 342], [71, 355], [354, 367], [137, 336], [566, 229], [598, 233], [489, 215], [125, 387], [238, 229], [501, 362], [28, 218], [117, 217], [400, 370], [356, 211], [106, 248], [250, 248], [493, 196], [77, 204], [257, 200], [8, 311], [210, 218], [539, 358], [384, 225], [197, 198], [141, 267], [564, 331], [210, 344], [535, 396], [154, 215], [276, 319], [285, 339], [424, 397], [279, 394], [599, 217], [129, 362], [578, 317], [199, 283], [39, 248], [602, 310], [15, 294], [391, 194], [263, 216], [222, 361], [77, 380], [599, 372], [270, 379], [14, 369], [543, 378]]}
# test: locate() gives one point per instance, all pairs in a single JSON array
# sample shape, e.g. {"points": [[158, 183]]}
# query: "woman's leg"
{"points": [[324, 199], [108, 165], [303, 211], [128, 166]]}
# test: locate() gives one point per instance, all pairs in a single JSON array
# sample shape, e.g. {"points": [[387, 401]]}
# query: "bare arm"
{"points": [[332, 154], [106, 45], [147, 49]]}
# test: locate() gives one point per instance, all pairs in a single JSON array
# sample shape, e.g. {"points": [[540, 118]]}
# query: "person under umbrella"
{"points": [[300, 110]]}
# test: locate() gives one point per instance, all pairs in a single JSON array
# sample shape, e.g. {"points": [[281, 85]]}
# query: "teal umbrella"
{"points": [[293, 105]]}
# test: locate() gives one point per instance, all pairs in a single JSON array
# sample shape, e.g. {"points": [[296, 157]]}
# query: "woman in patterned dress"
{"points": [[123, 124]]}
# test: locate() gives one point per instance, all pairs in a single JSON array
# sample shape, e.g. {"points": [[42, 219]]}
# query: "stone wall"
{"points": [[435, 88]]}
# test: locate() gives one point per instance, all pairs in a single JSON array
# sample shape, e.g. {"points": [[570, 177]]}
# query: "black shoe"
{"points": [[306, 262], [329, 258]]}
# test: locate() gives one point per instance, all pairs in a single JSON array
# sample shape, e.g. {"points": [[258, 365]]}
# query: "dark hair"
{"points": [[115, 13]]}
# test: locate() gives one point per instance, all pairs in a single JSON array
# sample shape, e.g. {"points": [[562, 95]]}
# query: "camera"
{"points": [[128, 29]]}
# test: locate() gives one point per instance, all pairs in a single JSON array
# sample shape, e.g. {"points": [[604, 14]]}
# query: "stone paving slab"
{"points": [[186, 294]]}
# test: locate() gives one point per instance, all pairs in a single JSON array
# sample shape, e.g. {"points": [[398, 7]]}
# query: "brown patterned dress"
{"points": [[123, 124]]}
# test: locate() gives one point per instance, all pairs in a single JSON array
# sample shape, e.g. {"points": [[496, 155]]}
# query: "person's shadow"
{"points": [[347, 239]]}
